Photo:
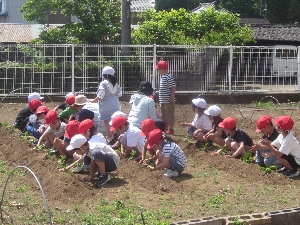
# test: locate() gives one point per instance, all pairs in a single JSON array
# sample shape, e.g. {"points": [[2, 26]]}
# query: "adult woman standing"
{"points": [[143, 107], [108, 95]]}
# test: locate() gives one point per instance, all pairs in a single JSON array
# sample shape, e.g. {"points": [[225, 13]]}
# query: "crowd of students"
{"points": [[89, 131]]}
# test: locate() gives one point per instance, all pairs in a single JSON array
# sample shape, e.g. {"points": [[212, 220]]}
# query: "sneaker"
{"points": [[282, 170], [171, 173], [291, 173], [78, 169], [102, 179], [170, 131]]}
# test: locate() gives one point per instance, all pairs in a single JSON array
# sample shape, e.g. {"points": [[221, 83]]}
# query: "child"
{"points": [[286, 147], [147, 126], [72, 129], [237, 141], [36, 122], [70, 110], [167, 89], [201, 123], [108, 96], [130, 137], [55, 130], [88, 129], [117, 143], [64, 105], [217, 134], [264, 156], [23, 116], [168, 154]]}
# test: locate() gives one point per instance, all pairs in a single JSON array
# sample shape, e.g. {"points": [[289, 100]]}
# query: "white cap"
{"points": [[108, 70], [34, 95], [69, 94], [213, 111], [118, 113], [200, 103], [80, 100], [76, 142]]}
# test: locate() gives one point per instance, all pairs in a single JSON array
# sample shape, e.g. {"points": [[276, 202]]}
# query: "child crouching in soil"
{"points": [[168, 154], [237, 141]]}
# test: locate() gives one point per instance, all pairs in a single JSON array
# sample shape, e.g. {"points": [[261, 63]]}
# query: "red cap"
{"points": [[51, 116], [117, 122], [34, 104], [85, 125], [42, 109], [151, 96], [153, 137], [72, 129], [228, 123], [147, 126], [163, 65], [262, 123], [71, 99], [285, 122]]}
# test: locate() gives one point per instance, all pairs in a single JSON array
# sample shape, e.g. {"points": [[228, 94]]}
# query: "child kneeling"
{"points": [[168, 154]]}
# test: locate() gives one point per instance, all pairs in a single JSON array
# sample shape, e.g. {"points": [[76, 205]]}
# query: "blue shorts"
{"points": [[105, 117], [175, 165]]}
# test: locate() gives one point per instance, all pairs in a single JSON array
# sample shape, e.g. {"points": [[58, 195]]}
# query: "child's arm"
{"points": [[187, 124], [240, 150], [95, 100], [173, 90], [162, 165], [44, 135], [92, 172], [275, 151]]}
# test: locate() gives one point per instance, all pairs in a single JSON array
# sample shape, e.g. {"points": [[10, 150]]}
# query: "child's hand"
{"points": [[267, 155], [217, 152], [255, 148], [151, 168], [265, 142], [183, 124], [62, 170]]}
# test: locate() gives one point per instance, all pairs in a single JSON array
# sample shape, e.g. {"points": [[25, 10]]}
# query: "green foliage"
{"points": [[277, 11], [179, 27], [293, 11], [249, 7], [100, 20], [248, 158]]}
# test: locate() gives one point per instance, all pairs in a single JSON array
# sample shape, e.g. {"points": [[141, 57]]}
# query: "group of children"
{"points": [[277, 147], [77, 131]]}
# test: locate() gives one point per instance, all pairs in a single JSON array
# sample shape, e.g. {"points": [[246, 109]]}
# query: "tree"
{"points": [[293, 11], [100, 19], [248, 7], [179, 27], [277, 11]]}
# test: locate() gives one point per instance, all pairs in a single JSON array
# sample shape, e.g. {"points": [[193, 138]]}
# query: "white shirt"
{"points": [[134, 138], [202, 122], [288, 146]]}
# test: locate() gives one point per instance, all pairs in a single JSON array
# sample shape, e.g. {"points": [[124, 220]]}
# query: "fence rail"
{"points": [[58, 69]]}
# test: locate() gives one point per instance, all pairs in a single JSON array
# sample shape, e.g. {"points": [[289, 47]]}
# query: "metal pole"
{"points": [[230, 69], [73, 69], [298, 67], [153, 69]]}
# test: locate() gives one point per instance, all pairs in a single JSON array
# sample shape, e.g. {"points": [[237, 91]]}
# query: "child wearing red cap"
{"points": [[70, 110], [167, 89], [167, 154], [237, 141], [130, 137], [264, 156], [286, 147], [36, 122], [55, 130], [201, 123], [88, 129]]}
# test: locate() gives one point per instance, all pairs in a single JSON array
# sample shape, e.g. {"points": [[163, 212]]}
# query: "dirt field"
{"points": [[210, 185]]}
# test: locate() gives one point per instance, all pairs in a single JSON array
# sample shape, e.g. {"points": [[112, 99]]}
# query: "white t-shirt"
{"points": [[134, 139], [288, 146], [60, 130], [202, 122]]}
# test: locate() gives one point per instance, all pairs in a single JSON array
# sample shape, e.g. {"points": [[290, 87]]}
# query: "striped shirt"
{"points": [[170, 148], [165, 88]]}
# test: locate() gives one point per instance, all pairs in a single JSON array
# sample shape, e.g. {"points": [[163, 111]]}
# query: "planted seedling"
{"points": [[273, 167], [62, 162], [268, 170], [223, 150], [132, 155], [247, 157]]}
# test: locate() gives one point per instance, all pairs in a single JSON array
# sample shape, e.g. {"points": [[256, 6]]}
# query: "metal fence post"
{"points": [[73, 69], [154, 70], [298, 69], [230, 69]]}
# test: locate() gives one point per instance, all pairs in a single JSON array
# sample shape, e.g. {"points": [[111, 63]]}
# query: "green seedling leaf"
{"points": [[262, 168], [268, 170], [273, 167]]}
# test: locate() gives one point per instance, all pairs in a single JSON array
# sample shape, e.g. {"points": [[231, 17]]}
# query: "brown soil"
{"points": [[188, 196]]}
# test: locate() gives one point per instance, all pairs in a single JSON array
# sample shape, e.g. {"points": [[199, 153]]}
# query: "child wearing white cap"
{"points": [[201, 123], [108, 95], [216, 134]]}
